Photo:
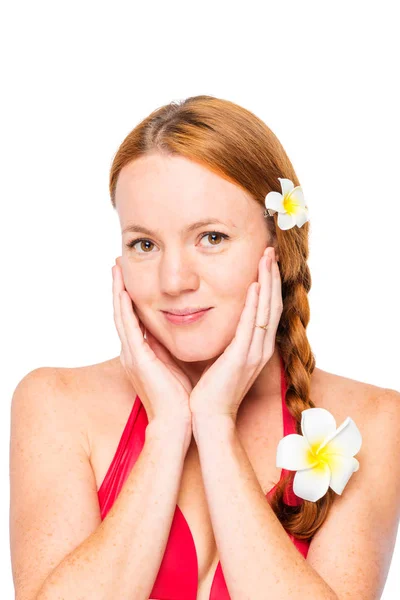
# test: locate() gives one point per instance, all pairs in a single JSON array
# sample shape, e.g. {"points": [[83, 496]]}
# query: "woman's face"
{"points": [[176, 266]]}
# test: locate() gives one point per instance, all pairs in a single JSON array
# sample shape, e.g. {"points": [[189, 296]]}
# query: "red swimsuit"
{"points": [[178, 574]]}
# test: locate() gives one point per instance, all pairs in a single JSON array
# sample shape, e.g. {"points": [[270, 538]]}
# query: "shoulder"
{"points": [[331, 390], [374, 409], [45, 392], [384, 423], [71, 394], [100, 394]]}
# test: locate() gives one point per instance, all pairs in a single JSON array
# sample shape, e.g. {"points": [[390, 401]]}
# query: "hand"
{"points": [[161, 385], [224, 384]]}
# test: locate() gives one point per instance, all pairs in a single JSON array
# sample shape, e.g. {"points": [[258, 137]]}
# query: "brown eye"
{"points": [[215, 234], [143, 243]]}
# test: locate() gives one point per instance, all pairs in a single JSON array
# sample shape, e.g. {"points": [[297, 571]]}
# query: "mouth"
{"points": [[178, 319], [187, 311]]}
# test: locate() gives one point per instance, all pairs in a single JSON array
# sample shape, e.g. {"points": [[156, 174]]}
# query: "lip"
{"points": [[186, 311], [188, 318]]}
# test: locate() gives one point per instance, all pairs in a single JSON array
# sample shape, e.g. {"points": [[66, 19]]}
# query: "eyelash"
{"points": [[133, 243]]}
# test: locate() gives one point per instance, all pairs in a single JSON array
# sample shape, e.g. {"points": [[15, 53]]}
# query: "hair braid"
{"points": [[303, 519]]}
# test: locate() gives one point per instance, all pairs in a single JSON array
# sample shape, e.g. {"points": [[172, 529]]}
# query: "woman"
{"points": [[162, 477]]}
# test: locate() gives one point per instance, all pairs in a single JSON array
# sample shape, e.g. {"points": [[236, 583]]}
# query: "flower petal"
{"points": [[301, 217], [287, 186], [274, 200], [342, 468], [297, 197], [347, 439], [312, 484], [286, 221], [316, 425], [293, 453]]}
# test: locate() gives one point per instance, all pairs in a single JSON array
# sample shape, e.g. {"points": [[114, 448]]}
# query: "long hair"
{"points": [[236, 145]]}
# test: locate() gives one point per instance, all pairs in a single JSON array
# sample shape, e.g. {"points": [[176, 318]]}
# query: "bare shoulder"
{"points": [[100, 395], [49, 391], [78, 394], [373, 408]]}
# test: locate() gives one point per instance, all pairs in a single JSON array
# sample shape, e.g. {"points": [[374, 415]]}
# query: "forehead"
{"points": [[158, 187]]}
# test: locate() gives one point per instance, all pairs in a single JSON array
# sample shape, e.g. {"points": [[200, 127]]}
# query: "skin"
{"points": [[171, 269]]}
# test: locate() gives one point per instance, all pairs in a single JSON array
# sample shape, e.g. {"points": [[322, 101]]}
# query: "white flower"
{"points": [[290, 205], [323, 456]]}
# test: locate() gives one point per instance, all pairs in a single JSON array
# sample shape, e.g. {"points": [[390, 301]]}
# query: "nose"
{"points": [[178, 274]]}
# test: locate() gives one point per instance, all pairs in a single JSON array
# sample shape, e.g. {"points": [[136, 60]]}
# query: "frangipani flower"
{"points": [[323, 456], [290, 205]]}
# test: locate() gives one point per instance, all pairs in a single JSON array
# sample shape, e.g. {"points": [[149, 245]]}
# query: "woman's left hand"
{"points": [[224, 384]]}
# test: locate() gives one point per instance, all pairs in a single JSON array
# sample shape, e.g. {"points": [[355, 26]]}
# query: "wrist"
{"points": [[171, 428], [212, 423]]}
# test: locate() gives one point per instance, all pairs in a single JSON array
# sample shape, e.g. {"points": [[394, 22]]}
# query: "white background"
{"points": [[78, 76]]}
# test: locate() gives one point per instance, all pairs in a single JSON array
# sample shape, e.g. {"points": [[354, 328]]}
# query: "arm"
{"points": [[349, 556], [60, 547], [256, 553]]}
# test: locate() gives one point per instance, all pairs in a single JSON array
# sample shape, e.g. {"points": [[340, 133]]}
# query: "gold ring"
{"points": [[263, 326]]}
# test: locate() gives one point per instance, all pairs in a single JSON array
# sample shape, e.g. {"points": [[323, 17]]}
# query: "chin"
{"points": [[205, 344], [193, 355], [202, 349]]}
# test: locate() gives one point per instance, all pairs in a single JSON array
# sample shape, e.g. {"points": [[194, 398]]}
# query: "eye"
{"points": [[133, 243], [215, 233], [146, 241]]}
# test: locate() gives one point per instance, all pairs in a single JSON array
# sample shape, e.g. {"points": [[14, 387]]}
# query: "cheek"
{"points": [[138, 286], [229, 298], [236, 284]]}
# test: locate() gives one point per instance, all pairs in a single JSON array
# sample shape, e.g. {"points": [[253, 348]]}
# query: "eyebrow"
{"points": [[141, 229]]}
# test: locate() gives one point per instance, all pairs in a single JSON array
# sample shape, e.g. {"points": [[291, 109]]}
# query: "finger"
{"points": [[276, 299], [118, 286], [274, 314], [263, 317], [244, 331], [133, 333]]}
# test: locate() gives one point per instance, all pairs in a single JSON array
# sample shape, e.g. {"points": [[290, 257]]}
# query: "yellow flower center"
{"points": [[289, 204], [314, 455]]}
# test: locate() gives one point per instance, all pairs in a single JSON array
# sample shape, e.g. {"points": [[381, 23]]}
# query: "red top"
{"points": [[178, 574]]}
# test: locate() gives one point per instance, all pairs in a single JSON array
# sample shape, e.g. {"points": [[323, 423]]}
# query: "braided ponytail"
{"points": [[305, 518]]}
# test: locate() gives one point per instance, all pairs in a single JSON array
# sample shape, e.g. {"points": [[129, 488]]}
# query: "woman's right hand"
{"points": [[161, 385]]}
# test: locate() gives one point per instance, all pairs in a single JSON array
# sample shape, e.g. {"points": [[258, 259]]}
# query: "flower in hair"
{"points": [[289, 205], [323, 456]]}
